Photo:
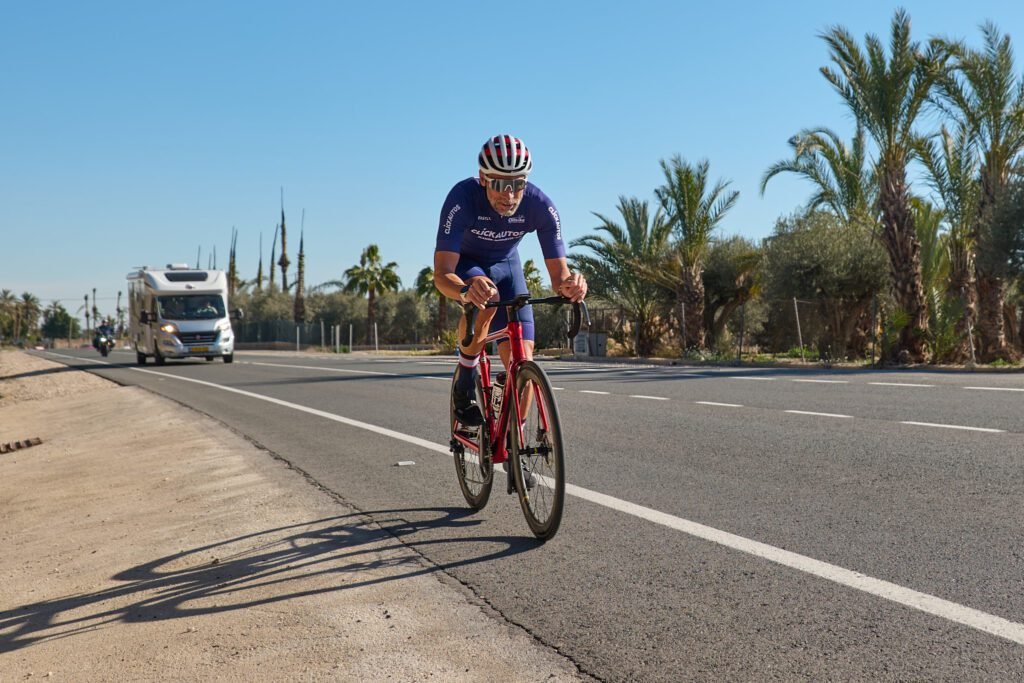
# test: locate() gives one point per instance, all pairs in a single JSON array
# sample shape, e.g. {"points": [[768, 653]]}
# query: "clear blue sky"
{"points": [[133, 133]]}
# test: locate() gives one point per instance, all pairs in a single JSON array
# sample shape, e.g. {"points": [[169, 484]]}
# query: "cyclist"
{"points": [[476, 260]]}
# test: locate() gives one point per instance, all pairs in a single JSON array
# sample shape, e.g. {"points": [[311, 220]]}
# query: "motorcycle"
{"points": [[103, 342]]}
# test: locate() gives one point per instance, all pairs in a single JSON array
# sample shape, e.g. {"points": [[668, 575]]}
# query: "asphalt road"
{"points": [[723, 524]]}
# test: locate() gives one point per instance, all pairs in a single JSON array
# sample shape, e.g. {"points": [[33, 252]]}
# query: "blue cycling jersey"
{"points": [[470, 226]]}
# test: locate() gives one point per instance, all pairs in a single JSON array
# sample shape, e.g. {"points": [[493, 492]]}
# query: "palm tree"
{"points": [[841, 174], [988, 96], [623, 262], [8, 305], [951, 163], [425, 288], [886, 96], [27, 314], [369, 278], [694, 210], [534, 280]]}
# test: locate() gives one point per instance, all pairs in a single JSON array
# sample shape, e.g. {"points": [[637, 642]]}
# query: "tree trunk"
{"points": [[900, 241], [962, 288], [692, 295], [442, 314], [371, 316], [991, 326]]}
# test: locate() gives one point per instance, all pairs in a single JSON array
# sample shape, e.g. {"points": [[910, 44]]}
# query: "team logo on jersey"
{"points": [[517, 219], [450, 218], [558, 223], [499, 236], [483, 218]]}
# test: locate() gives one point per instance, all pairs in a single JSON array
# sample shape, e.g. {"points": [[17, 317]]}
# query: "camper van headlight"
{"points": [[169, 328]]}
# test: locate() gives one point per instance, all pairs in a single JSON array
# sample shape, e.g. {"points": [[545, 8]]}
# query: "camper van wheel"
{"points": [[140, 358], [229, 358], [209, 358], [158, 359]]}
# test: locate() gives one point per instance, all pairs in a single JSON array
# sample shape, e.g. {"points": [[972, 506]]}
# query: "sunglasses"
{"points": [[506, 184]]}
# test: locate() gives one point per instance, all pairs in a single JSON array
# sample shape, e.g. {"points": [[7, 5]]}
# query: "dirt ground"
{"points": [[144, 541]]}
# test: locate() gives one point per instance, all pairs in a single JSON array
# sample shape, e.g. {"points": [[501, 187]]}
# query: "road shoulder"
{"points": [[143, 540]]}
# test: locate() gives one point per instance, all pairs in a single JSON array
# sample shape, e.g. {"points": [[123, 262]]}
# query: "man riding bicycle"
{"points": [[476, 259]]}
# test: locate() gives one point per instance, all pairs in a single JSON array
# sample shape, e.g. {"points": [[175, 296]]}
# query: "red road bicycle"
{"points": [[520, 428]]}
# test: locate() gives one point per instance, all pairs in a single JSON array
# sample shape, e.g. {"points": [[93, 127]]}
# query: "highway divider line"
{"points": [[716, 403], [900, 384], [923, 602], [823, 381], [649, 398], [807, 412], [994, 388], [970, 429], [929, 604]]}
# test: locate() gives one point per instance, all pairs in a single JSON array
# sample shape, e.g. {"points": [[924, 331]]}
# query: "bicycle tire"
{"points": [[542, 455], [475, 471]]}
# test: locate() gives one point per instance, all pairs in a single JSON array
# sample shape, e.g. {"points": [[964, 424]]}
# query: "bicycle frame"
{"points": [[498, 425]]}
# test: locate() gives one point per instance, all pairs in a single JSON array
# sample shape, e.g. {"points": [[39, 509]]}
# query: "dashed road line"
{"points": [[715, 403], [970, 429], [758, 379], [901, 384], [994, 388], [650, 398], [589, 391], [808, 412], [823, 381]]}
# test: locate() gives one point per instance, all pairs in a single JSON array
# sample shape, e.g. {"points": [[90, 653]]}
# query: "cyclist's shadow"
{"points": [[238, 573]]}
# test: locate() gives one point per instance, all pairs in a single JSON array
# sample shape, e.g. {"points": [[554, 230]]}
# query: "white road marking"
{"points": [[558, 388], [823, 381], [714, 403], [588, 391], [651, 398], [807, 412], [900, 384], [970, 429], [994, 388], [316, 367], [929, 604], [759, 379]]}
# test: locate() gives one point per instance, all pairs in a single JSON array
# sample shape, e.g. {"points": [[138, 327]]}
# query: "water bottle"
{"points": [[498, 391]]}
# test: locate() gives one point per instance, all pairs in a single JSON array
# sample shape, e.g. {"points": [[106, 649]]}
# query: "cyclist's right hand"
{"points": [[481, 290]]}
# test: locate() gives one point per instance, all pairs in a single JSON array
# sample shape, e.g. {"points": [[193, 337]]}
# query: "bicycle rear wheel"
{"points": [[475, 471], [538, 464]]}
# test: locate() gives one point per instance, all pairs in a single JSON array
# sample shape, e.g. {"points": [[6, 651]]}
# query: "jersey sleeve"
{"points": [[454, 219], [549, 230]]}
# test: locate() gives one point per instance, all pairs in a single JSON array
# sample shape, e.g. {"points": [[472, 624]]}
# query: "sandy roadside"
{"points": [[144, 541]]}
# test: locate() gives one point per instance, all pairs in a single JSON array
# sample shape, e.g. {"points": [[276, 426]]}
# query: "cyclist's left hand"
{"points": [[574, 287]]}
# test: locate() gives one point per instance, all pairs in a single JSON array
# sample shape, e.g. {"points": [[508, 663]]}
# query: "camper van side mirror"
{"points": [[144, 317], [238, 314]]}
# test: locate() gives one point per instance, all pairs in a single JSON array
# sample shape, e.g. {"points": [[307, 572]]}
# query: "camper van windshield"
{"points": [[191, 307]]}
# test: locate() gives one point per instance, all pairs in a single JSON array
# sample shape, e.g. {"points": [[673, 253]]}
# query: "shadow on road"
{"points": [[259, 569]]}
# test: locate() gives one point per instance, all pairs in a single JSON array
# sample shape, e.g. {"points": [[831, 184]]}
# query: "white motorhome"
{"points": [[180, 312]]}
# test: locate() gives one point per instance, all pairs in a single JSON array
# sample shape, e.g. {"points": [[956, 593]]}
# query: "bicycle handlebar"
{"points": [[579, 312]]}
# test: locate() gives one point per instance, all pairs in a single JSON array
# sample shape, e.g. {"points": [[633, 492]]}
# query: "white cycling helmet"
{"points": [[505, 155]]}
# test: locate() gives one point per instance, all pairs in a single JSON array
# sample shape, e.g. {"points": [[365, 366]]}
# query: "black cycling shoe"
{"points": [[466, 409]]}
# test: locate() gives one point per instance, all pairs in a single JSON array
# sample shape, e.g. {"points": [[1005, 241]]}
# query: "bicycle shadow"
{"points": [[236, 573]]}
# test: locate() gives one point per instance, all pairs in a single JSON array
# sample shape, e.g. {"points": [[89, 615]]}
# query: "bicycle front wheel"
{"points": [[537, 460]]}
